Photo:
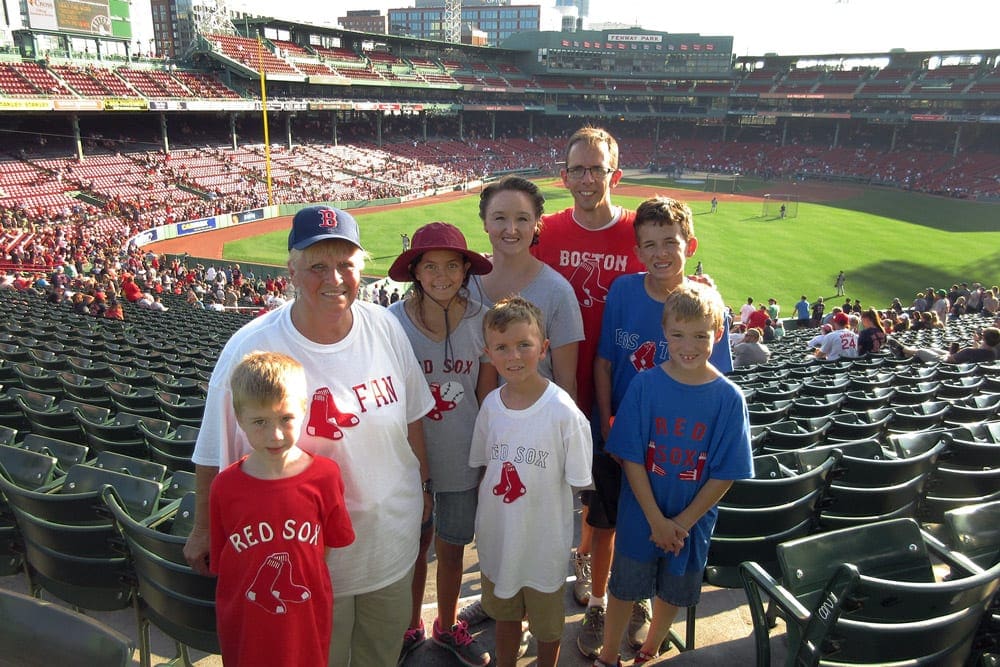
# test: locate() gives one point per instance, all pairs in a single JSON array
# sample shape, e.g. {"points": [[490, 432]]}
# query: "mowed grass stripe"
{"points": [[884, 255]]}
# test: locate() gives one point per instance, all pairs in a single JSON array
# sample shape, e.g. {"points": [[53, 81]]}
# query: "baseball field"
{"points": [[890, 243]]}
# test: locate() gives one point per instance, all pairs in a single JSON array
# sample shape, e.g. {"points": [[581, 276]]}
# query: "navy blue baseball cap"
{"points": [[320, 223]]}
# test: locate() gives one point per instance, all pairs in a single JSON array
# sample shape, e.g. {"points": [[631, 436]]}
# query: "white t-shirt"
{"points": [[364, 391], [840, 343], [524, 523]]}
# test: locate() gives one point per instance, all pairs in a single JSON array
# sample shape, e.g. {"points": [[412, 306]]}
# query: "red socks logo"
{"points": [[589, 290], [273, 585], [510, 487], [446, 397], [644, 357], [325, 419]]}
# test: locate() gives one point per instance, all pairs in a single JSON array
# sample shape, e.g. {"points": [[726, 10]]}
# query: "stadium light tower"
{"points": [[453, 21]]}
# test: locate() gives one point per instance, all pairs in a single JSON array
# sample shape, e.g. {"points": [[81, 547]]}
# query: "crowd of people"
{"points": [[579, 358], [451, 454]]}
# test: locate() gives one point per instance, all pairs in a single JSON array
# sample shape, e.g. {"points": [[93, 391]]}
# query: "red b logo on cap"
{"points": [[329, 217]]}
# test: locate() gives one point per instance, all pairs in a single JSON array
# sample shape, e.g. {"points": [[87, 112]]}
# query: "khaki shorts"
{"points": [[546, 612]]}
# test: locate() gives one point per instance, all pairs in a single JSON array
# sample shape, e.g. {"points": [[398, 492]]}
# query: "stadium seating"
{"points": [[868, 595]]}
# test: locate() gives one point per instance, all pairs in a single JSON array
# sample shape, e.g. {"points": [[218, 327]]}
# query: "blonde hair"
{"points": [[693, 301], [266, 378], [511, 310]]}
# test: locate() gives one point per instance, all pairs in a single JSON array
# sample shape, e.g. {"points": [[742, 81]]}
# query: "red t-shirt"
{"points": [[274, 602], [590, 260]]}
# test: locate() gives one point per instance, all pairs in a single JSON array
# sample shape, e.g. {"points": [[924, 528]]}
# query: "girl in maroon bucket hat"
{"points": [[445, 327]]}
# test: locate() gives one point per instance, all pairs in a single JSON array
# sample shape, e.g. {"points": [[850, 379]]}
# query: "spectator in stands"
{"points": [[572, 241], [958, 308], [941, 305], [931, 320], [510, 210], [758, 318], [991, 300], [841, 342], [872, 336], [920, 302], [746, 310], [984, 348], [445, 328], [817, 312], [368, 397], [751, 351], [114, 310], [802, 312]]}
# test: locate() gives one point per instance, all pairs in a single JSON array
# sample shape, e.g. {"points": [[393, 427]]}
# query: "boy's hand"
{"points": [[668, 535]]}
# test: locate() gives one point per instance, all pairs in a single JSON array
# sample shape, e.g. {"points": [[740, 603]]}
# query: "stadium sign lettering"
{"points": [[617, 263], [612, 37]]}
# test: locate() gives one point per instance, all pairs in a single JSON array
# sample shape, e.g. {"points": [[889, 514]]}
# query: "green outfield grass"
{"points": [[889, 243]]}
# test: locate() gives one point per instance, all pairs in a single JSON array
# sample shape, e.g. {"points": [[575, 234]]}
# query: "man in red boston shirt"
{"points": [[591, 244]]}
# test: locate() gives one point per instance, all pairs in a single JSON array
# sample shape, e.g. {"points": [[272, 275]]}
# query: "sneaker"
{"points": [[642, 658], [473, 614], [412, 638], [461, 643], [522, 648], [590, 641], [600, 663], [581, 587], [638, 623]]}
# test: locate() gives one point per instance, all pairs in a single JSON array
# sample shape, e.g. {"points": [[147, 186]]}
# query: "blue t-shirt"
{"points": [[632, 335], [802, 309], [684, 435]]}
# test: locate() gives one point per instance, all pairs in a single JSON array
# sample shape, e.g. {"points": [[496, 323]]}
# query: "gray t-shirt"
{"points": [[554, 296], [448, 426]]}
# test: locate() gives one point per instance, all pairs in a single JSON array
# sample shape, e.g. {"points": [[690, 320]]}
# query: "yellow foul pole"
{"points": [[263, 109]]}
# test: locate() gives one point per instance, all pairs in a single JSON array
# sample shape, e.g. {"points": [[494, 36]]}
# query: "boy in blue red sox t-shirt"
{"points": [[682, 433]]}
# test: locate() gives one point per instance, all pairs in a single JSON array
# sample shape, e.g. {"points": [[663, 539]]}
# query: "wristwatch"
{"points": [[428, 486]]}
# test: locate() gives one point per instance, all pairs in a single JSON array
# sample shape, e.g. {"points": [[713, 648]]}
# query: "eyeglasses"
{"points": [[577, 173]]}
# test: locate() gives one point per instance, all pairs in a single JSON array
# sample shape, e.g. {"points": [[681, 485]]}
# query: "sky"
{"points": [[787, 27]]}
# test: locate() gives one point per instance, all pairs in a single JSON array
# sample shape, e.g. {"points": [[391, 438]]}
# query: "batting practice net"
{"points": [[775, 204]]}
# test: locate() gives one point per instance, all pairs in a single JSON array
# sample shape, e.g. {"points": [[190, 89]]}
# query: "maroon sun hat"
{"points": [[437, 236]]}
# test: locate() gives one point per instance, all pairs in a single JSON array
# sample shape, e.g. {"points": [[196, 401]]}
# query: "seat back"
{"points": [[171, 595], [67, 453], [35, 633], [889, 549], [130, 465], [25, 468], [974, 530], [864, 620], [769, 491]]}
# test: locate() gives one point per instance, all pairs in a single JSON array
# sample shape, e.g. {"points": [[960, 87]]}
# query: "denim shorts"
{"points": [[455, 515], [635, 580]]}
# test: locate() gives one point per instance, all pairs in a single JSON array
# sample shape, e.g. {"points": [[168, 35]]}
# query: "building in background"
{"points": [[365, 20], [499, 20]]}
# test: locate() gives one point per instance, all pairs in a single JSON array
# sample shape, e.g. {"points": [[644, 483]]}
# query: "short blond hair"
{"points": [[511, 310], [266, 378], [692, 301]]}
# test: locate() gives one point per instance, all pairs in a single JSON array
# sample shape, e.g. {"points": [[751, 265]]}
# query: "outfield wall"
{"points": [[223, 220]]}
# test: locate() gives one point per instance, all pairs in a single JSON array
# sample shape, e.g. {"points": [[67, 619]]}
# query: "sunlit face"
{"points": [[690, 343], [273, 428], [441, 273], [663, 250], [510, 222], [591, 189], [517, 351], [326, 276]]}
